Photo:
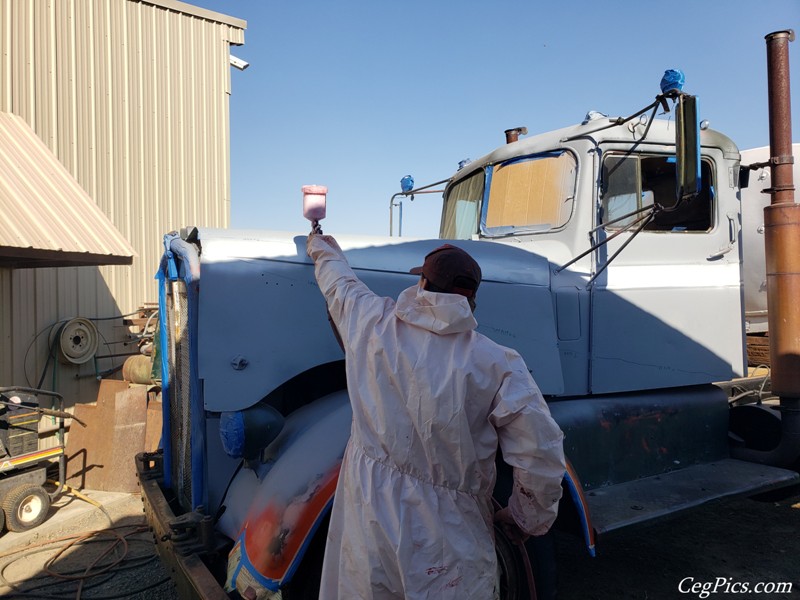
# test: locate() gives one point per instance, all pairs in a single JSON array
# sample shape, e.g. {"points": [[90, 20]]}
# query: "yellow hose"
{"points": [[75, 492]]}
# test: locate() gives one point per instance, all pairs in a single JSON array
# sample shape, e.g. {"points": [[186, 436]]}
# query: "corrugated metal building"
{"points": [[131, 96]]}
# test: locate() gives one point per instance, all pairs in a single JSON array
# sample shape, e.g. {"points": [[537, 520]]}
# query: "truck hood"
{"points": [[262, 320], [499, 263]]}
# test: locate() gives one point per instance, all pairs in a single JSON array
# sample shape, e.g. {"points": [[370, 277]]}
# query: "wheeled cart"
{"points": [[24, 501]]}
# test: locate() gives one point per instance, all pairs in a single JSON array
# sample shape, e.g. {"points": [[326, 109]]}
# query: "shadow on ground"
{"points": [[740, 541]]}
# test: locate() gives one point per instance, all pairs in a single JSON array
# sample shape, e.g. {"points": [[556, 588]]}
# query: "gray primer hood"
{"points": [[259, 305], [499, 262]]}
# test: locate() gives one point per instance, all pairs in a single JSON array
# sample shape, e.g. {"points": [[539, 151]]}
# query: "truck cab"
{"points": [[667, 271]]}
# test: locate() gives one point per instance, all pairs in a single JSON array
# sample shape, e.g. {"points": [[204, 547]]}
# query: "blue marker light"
{"points": [[673, 80], [407, 183]]}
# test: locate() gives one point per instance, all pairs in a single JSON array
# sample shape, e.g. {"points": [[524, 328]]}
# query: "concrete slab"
{"points": [[24, 556], [70, 514]]}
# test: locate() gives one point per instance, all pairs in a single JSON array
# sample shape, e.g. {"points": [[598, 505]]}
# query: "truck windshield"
{"points": [[529, 194]]}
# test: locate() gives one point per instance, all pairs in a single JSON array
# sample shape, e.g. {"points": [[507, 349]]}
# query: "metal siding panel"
{"points": [[40, 108], [134, 162], [166, 107], [64, 107], [202, 70], [223, 124], [119, 135], [23, 324], [147, 149], [89, 288], [104, 98], [6, 316], [177, 60], [86, 97], [194, 174], [46, 311], [147, 141], [26, 99], [5, 57]]}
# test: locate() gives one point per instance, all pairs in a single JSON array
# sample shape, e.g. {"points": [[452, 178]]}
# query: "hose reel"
{"points": [[77, 341]]}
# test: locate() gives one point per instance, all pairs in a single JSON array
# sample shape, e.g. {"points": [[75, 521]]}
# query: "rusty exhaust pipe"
{"points": [[782, 249], [512, 135], [782, 227]]}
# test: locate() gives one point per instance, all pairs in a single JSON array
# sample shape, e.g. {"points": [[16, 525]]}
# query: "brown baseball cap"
{"points": [[452, 270]]}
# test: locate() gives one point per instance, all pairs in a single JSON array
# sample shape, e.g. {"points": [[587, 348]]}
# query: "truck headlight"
{"points": [[245, 433]]}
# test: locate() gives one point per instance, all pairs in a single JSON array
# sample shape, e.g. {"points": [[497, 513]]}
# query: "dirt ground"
{"points": [[741, 541]]}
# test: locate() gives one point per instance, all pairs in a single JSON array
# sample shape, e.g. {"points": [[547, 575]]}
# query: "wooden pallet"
{"points": [[758, 350]]}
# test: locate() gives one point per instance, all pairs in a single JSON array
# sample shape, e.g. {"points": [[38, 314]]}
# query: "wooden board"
{"points": [[758, 350]]}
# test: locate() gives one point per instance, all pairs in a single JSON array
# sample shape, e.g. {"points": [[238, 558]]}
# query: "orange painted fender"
{"points": [[274, 511]]}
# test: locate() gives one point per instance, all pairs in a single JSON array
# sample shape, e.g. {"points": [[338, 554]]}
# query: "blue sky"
{"points": [[357, 94]]}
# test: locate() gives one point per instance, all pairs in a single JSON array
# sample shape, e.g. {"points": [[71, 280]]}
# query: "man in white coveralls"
{"points": [[432, 398]]}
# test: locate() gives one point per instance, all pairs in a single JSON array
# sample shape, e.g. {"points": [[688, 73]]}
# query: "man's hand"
{"points": [[506, 521], [328, 239]]}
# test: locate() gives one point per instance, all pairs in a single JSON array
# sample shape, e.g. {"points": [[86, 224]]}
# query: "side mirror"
{"points": [[744, 177], [687, 148]]}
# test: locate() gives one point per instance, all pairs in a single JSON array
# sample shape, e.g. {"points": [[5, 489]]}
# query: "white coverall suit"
{"points": [[431, 398]]}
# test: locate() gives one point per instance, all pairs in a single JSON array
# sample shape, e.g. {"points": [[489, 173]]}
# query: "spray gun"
{"points": [[314, 205], [314, 211]]}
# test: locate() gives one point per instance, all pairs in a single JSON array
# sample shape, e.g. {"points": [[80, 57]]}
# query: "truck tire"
{"points": [[25, 507], [542, 553], [511, 576]]}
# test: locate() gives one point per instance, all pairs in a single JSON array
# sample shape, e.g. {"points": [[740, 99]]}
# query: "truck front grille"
{"points": [[180, 388]]}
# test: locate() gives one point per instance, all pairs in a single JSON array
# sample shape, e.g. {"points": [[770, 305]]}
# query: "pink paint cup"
{"points": [[314, 202]]}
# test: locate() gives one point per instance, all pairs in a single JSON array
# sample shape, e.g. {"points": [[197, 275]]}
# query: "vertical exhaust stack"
{"points": [[782, 249], [782, 227]]}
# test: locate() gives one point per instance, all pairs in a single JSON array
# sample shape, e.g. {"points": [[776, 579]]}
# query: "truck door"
{"points": [[667, 310]]}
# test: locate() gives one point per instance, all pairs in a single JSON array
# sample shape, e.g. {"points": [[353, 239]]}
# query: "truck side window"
{"points": [[621, 192], [530, 194], [632, 183]]}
